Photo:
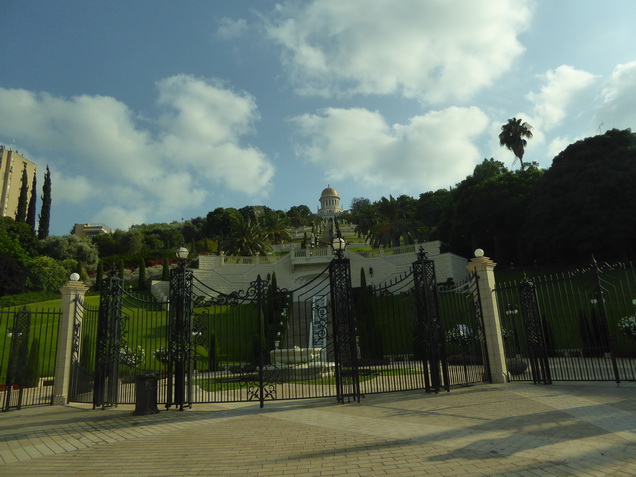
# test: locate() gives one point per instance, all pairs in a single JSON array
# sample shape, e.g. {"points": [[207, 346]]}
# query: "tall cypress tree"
{"points": [[45, 212], [100, 276], [32, 204], [23, 200], [141, 282]]}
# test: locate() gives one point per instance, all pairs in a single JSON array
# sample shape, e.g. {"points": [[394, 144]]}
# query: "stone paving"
{"points": [[517, 429]]}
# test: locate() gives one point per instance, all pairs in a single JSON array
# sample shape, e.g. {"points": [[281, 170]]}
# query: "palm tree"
{"points": [[246, 238], [276, 226], [365, 219], [513, 137], [395, 224]]}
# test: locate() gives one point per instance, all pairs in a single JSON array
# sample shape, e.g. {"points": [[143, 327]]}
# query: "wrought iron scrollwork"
{"points": [[344, 332], [429, 333], [535, 333], [18, 353], [111, 333]]}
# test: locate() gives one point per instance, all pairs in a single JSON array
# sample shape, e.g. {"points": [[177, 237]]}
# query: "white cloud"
{"points": [[618, 109], [230, 29], [205, 123], [72, 189], [563, 87], [557, 145], [97, 146], [429, 152], [431, 51], [118, 217]]}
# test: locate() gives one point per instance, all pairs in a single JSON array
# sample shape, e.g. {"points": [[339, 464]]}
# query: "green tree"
{"points": [[46, 274], [141, 283], [300, 215], [276, 225], [20, 233], [99, 276], [32, 205], [246, 238], [23, 199], [219, 222], [514, 135], [395, 223], [165, 271], [121, 268], [488, 210], [106, 244], [69, 246], [365, 218], [45, 211], [584, 202], [428, 213], [80, 269], [12, 273]]}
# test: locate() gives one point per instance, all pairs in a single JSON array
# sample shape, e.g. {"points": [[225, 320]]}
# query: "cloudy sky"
{"points": [[154, 111]]}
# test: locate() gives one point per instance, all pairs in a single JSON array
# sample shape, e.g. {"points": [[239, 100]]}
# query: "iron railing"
{"points": [[28, 343], [577, 333]]}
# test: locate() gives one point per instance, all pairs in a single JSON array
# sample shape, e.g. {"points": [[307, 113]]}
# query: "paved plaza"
{"points": [[581, 429]]}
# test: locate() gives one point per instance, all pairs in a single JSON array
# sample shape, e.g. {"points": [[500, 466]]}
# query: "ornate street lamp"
{"points": [[339, 246], [182, 254]]}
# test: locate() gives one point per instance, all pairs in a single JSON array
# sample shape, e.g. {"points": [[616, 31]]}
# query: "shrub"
{"points": [[46, 274]]}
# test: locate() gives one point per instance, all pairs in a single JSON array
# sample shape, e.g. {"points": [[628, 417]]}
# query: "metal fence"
{"points": [[575, 328], [28, 343], [83, 352], [463, 325]]}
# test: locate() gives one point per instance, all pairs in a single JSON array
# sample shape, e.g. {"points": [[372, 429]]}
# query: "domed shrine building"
{"points": [[329, 204]]}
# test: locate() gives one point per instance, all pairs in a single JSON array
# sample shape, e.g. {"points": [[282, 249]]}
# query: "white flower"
{"points": [[628, 326]]}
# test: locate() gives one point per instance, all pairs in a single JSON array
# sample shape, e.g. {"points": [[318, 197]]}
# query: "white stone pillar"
{"points": [[485, 269], [69, 291]]}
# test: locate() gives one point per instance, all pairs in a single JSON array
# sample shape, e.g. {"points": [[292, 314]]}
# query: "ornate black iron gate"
{"points": [[111, 333], [464, 337], [321, 339], [262, 343], [574, 326], [430, 330]]}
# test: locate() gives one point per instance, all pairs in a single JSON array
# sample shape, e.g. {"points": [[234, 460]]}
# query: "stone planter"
{"points": [[516, 366]]}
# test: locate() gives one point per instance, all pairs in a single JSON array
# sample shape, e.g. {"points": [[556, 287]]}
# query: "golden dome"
{"points": [[329, 192]]}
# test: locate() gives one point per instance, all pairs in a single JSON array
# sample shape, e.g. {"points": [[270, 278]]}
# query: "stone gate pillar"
{"points": [[485, 269], [70, 291]]}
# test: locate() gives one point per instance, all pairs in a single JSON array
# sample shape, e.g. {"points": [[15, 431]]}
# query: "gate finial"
{"points": [[422, 255]]}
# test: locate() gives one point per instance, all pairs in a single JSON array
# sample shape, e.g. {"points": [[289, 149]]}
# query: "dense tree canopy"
{"points": [[584, 203], [487, 210], [69, 247], [300, 215]]}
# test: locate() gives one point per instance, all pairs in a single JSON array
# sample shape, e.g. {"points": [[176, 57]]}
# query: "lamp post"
{"points": [[179, 330], [344, 329]]}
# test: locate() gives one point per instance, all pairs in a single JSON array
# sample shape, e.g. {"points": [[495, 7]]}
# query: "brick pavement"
{"points": [[581, 429]]}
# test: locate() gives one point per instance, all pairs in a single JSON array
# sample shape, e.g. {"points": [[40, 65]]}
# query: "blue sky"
{"points": [[153, 111]]}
